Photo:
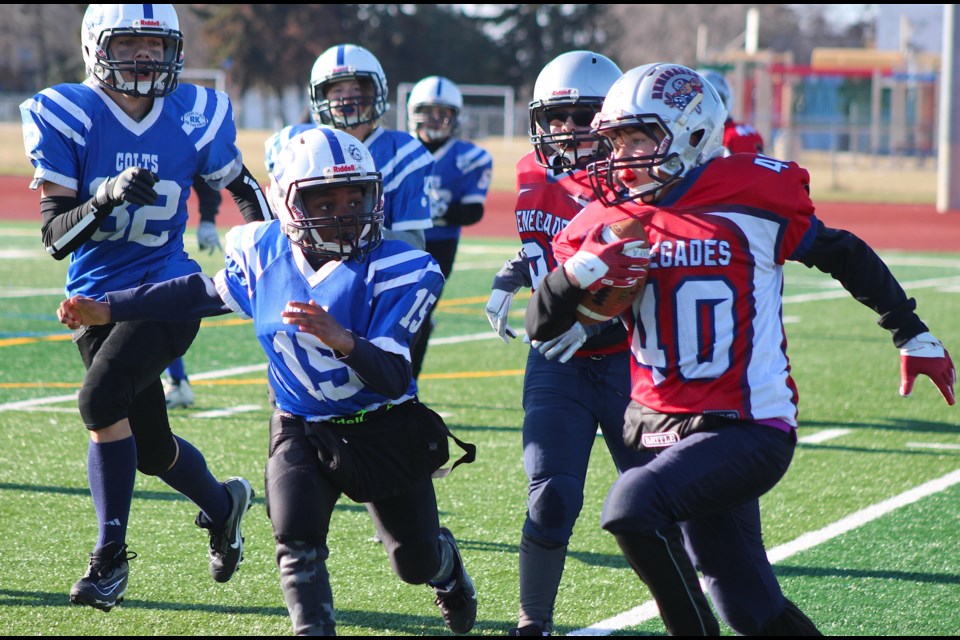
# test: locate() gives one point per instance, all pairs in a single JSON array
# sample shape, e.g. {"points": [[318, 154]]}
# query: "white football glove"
{"points": [[564, 345], [498, 307], [207, 237], [924, 355]]}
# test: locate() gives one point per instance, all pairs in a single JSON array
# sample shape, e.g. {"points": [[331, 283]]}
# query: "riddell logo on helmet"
{"points": [[562, 93], [147, 23], [345, 168]]}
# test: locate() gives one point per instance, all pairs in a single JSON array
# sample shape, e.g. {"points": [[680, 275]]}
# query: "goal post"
{"points": [[212, 78], [488, 109]]}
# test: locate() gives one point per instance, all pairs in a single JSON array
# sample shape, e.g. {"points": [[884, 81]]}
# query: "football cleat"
{"points": [[178, 394], [458, 598], [528, 630], [226, 544], [105, 582]]}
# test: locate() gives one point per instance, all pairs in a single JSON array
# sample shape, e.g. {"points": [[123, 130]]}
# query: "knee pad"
{"points": [[100, 406], [553, 507], [155, 455], [416, 562]]}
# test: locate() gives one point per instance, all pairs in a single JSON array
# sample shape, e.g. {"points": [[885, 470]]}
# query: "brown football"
{"points": [[610, 302]]}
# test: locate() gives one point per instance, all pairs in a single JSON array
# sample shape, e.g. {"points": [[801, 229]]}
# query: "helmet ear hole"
{"points": [[696, 137]]}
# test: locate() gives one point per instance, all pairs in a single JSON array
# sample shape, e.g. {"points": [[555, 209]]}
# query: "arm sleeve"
{"points": [[250, 199], [852, 262], [67, 225], [181, 299], [463, 215], [552, 307], [208, 199], [386, 373], [514, 273]]}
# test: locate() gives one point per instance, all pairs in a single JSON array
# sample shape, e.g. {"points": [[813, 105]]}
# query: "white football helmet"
{"points": [[434, 91], [719, 83], [346, 62], [103, 22], [321, 158], [573, 83], [669, 103]]}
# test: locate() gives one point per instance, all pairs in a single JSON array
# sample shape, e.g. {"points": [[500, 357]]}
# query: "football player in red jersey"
{"points": [[711, 390], [559, 427], [737, 137]]}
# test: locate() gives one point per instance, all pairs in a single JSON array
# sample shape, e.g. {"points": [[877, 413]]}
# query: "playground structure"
{"points": [[848, 102]]}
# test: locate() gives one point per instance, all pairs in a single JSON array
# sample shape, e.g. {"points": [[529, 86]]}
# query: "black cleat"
{"points": [[226, 544], [528, 630], [105, 582], [458, 601]]}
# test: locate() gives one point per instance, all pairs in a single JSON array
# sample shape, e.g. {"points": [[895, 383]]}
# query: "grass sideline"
{"points": [[841, 177], [888, 571]]}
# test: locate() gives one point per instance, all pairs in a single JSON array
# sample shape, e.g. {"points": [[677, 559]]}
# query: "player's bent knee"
{"points": [[155, 460], [553, 508], [100, 409], [415, 563], [633, 504]]}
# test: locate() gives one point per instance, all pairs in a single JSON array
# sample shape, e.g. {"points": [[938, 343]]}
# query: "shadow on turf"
{"points": [[375, 621], [895, 424], [839, 572], [167, 496]]}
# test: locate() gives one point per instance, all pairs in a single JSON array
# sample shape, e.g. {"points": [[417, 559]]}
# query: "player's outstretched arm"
{"points": [[79, 311]]}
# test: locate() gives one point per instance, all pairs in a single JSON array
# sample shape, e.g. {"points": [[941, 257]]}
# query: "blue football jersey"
{"points": [[77, 137], [404, 162], [461, 174], [385, 299]]}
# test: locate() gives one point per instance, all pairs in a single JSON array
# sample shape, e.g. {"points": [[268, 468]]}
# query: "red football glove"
{"points": [[924, 354], [598, 264]]}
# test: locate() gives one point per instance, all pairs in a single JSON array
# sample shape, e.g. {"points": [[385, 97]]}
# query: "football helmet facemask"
{"points": [[572, 84], [347, 62], [434, 91], [671, 104], [103, 23], [320, 159]]}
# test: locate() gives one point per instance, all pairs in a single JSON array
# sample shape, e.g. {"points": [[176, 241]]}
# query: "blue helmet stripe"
{"points": [[147, 11], [335, 148], [341, 55]]}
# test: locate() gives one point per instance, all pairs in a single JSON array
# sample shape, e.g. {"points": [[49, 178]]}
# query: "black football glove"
{"points": [[133, 185]]}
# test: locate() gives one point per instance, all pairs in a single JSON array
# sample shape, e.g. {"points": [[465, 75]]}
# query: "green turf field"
{"points": [[863, 530]]}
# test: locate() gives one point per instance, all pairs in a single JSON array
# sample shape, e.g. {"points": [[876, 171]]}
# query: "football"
{"points": [[610, 302]]}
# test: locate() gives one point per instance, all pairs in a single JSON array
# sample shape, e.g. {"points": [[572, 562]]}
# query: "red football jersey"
{"points": [[707, 334], [546, 202], [741, 138]]}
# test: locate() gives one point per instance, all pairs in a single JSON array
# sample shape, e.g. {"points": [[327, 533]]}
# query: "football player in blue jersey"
{"points": [[460, 180], [335, 308], [559, 426], [114, 158], [348, 91]]}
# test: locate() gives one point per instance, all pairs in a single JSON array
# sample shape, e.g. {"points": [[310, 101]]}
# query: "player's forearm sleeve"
{"points": [[386, 373], [182, 299], [66, 225], [551, 309], [854, 264], [250, 199]]}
